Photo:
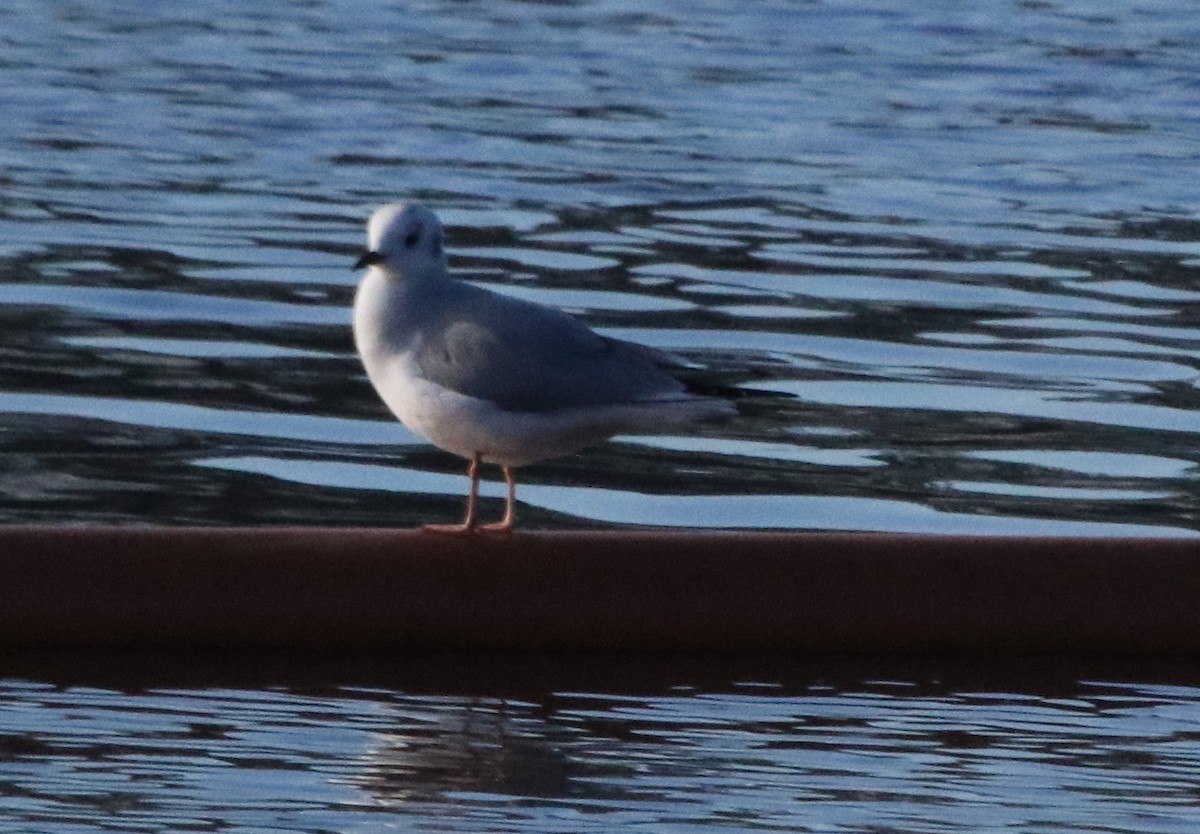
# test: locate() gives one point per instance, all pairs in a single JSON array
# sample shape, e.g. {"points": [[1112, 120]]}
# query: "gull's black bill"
{"points": [[368, 259]]}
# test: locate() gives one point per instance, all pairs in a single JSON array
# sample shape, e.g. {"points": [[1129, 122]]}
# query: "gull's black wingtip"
{"points": [[718, 390]]}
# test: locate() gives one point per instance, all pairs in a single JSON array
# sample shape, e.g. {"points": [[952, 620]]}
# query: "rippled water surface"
{"points": [[961, 242], [959, 239], [418, 744]]}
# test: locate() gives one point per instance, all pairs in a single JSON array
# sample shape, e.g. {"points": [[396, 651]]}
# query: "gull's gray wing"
{"points": [[529, 358]]}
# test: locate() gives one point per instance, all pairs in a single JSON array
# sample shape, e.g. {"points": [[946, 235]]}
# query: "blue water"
{"points": [[961, 240], [556, 745]]}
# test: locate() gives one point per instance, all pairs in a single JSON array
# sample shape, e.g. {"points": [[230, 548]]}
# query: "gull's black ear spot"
{"points": [[413, 237]]}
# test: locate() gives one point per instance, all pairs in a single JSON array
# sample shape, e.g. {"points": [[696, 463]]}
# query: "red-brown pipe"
{"points": [[625, 590]]}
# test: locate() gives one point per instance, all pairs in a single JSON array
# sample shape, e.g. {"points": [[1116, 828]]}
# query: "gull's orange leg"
{"points": [[506, 524], [468, 525]]}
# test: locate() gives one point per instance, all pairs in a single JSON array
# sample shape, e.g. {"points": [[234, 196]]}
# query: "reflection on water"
{"points": [[959, 243], [524, 744]]}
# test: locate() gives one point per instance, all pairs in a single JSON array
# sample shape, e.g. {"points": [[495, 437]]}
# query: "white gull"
{"points": [[493, 378]]}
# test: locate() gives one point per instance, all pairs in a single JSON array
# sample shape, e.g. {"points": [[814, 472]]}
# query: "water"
{"points": [[523, 744], [962, 241]]}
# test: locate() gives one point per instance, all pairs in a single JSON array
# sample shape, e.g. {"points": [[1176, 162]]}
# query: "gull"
{"points": [[496, 379]]}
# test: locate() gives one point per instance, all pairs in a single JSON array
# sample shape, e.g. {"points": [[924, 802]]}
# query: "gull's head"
{"points": [[405, 239]]}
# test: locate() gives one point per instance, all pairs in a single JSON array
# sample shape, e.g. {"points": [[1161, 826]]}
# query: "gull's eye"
{"points": [[413, 237]]}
